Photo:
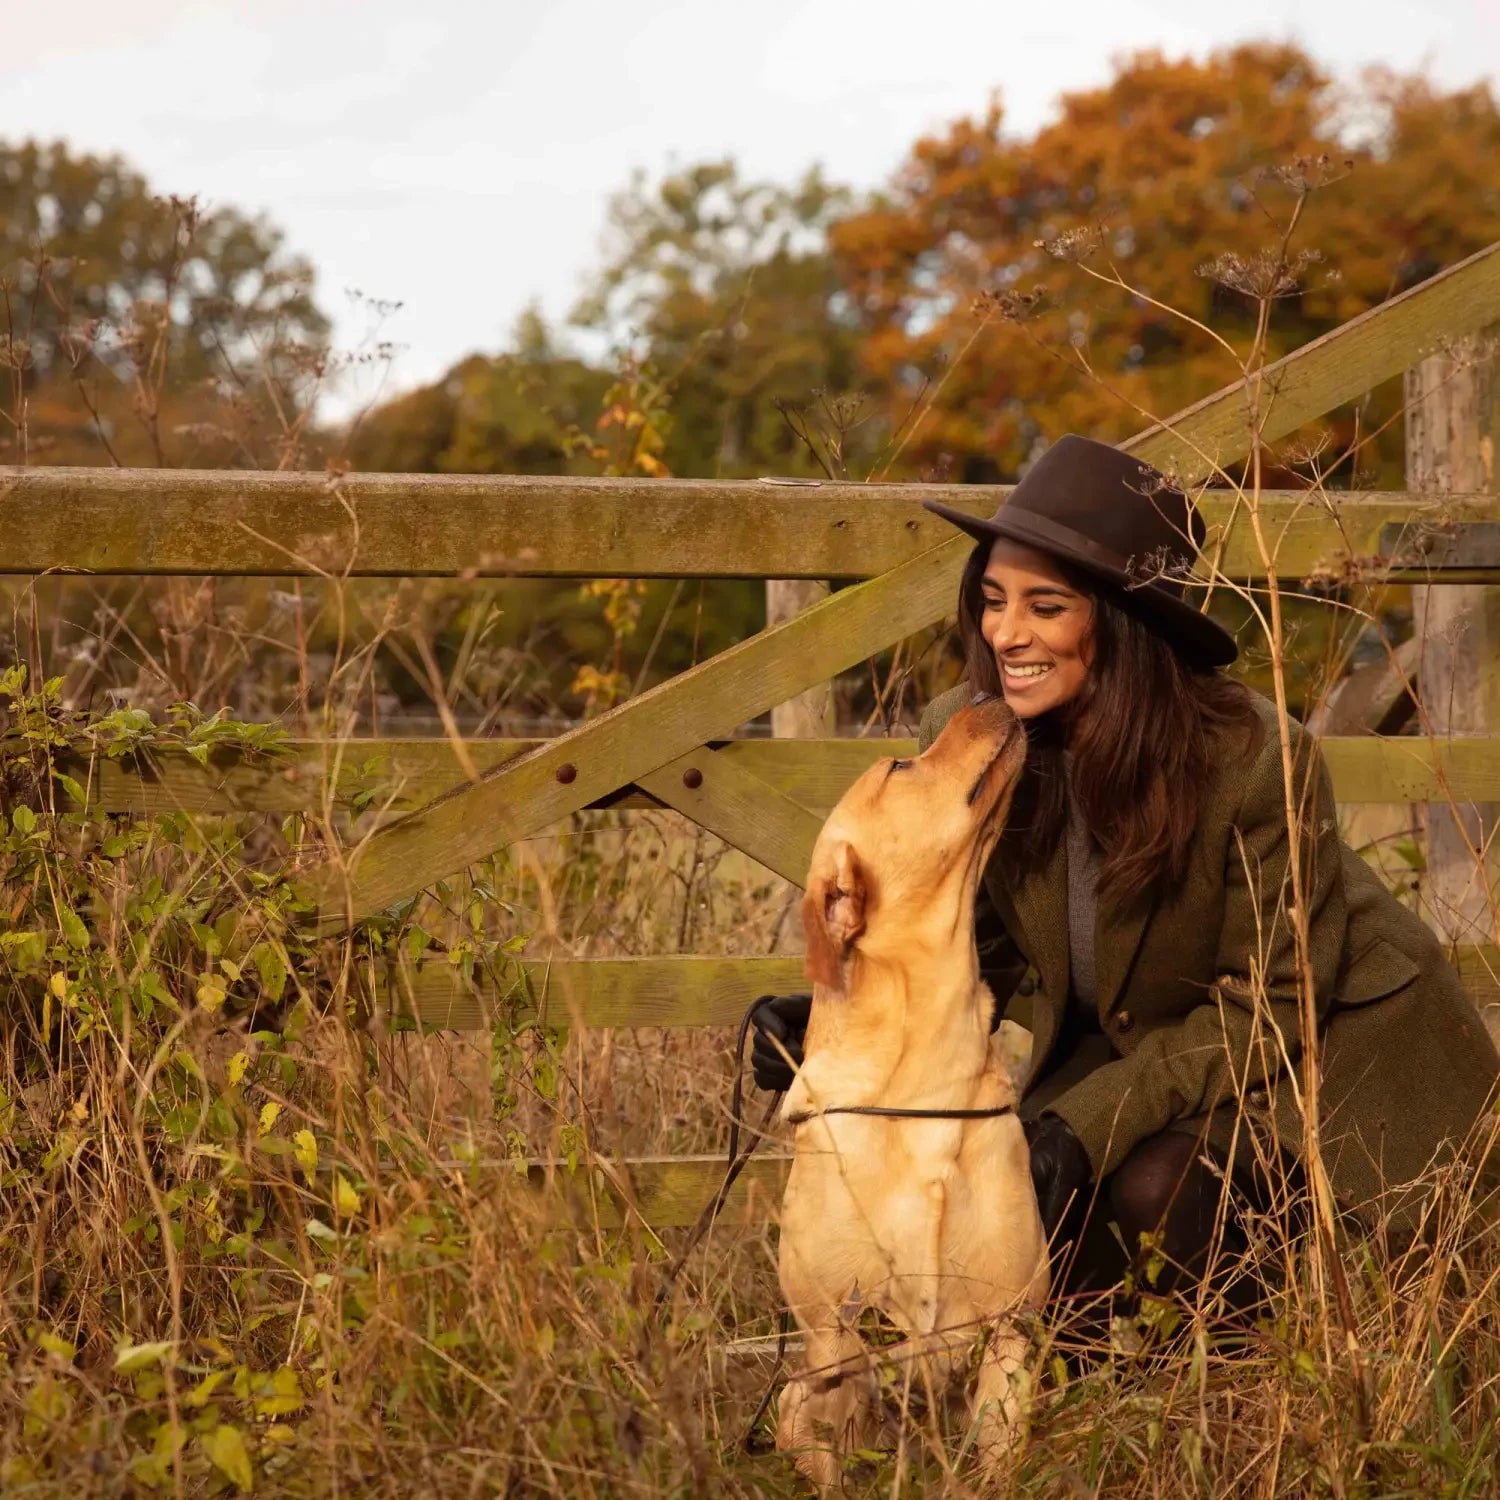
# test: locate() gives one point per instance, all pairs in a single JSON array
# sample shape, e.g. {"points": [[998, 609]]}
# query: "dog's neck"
{"points": [[909, 1026]]}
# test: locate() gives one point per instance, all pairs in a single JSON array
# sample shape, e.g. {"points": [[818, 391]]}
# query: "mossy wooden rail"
{"points": [[765, 798]]}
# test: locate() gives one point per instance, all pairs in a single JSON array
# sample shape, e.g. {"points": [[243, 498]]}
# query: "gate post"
{"points": [[1452, 428], [809, 715]]}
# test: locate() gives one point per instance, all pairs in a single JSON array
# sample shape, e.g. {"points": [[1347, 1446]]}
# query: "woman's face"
{"points": [[1040, 628]]}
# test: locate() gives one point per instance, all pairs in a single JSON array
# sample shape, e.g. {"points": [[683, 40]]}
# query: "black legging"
{"points": [[1163, 1187]]}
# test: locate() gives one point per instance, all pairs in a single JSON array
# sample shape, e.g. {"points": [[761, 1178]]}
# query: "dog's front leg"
{"points": [[1001, 1396], [828, 1409]]}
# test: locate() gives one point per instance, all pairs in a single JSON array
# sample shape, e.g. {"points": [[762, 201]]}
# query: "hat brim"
{"points": [[1199, 638]]}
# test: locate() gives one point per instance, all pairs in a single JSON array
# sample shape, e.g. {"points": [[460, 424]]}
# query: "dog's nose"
{"points": [[980, 699]]}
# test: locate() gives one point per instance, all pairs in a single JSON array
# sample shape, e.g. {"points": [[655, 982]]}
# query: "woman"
{"points": [[1141, 893]]}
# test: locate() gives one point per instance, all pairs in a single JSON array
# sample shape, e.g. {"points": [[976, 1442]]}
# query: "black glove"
{"points": [[784, 1018], [1060, 1171]]}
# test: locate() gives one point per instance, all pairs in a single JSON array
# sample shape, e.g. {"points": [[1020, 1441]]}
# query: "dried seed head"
{"points": [[1073, 245], [1307, 174], [1265, 275], [1008, 306]]}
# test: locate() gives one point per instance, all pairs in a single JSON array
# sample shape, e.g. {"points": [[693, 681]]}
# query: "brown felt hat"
{"points": [[1118, 520]]}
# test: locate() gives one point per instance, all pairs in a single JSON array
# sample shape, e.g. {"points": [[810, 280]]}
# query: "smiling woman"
{"points": [[1168, 917]]}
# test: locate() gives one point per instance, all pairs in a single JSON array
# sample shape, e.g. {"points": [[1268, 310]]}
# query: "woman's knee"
{"points": [[1156, 1182]]}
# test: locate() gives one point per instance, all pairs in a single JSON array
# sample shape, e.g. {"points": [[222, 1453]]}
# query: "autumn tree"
{"points": [[1165, 180]]}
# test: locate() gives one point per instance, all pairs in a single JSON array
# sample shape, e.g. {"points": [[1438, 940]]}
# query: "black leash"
{"points": [[736, 1160]]}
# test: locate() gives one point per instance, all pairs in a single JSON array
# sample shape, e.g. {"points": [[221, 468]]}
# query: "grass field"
{"points": [[250, 1242]]}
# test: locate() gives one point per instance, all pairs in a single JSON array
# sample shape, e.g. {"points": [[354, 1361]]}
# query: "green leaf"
{"points": [[271, 967], [24, 820], [73, 928], [225, 1446], [132, 1357], [73, 789]]}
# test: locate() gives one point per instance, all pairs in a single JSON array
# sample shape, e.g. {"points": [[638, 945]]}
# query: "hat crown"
{"points": [[1124, 506]]}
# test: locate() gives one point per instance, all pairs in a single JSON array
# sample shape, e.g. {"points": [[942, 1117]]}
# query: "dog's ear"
{"points": [[833, 917]]}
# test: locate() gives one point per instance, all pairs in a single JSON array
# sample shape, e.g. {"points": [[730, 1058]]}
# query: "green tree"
{"points": [[126, 318], [727, 288], [112, 245]]}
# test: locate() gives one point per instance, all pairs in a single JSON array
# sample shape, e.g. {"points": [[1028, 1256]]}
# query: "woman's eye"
{"points": [[994, 604], [1049, 611]]}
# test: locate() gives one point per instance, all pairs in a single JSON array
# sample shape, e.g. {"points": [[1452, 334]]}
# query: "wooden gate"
{"points": [[672, 746]]}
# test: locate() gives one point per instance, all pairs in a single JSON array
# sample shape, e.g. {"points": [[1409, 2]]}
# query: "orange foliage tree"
{"points": [[1146, 181]]}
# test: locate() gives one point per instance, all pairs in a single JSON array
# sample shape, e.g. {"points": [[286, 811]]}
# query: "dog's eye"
{"points": [[900, 765]]}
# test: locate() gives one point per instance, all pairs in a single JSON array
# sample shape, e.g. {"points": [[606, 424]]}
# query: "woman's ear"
{"points": [[833, 917]]}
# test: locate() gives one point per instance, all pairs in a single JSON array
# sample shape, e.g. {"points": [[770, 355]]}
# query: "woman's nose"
{"points": [[1008, 631]]}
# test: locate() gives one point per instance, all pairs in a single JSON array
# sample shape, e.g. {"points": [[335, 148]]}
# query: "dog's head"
{"points": [[908, 840]]}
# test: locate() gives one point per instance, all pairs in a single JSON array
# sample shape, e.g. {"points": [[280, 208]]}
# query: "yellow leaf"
{"points": [[211, 994], [58, 984], [231, 968], [345, 1198], [268, 1113], [305, 1149], [225, 1446], [199, 1395], [237, 1065]]}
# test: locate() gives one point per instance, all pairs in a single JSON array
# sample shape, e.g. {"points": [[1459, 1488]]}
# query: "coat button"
{"points": [[1027, 985], [1124, 1020]]}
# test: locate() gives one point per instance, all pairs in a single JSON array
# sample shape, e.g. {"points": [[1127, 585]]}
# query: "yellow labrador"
{"points": [[931, 1221]]}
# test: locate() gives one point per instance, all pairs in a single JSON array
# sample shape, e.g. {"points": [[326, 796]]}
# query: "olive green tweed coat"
{"points": [[1408, 1065]]}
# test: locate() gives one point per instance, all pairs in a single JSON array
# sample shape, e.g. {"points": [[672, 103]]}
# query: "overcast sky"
{"points": [[456, 155]]}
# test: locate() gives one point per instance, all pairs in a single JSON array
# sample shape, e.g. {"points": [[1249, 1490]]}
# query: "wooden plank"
{"points": [[743, 810], [667, 721], [407, 774], [151, 521], [673, 992], [1479, 967], [1368, 768], [677, 991], [812, 773], [1343, 364], [665, 1192], [129, 521]]}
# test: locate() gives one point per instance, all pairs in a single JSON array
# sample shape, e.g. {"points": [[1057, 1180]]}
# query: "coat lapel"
{"points": [[1117, 936], [1040, 903]]}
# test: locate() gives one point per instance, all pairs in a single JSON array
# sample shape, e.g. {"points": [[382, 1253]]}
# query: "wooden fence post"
{"points": [[1452, 426], [810, 715]]}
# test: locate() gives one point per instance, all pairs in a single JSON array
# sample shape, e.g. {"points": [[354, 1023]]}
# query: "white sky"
{"points": [[457, 155]]}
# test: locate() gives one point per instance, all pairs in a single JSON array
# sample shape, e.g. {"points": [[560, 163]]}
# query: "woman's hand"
{"points": [[779, 1019], [1060, 1170]]}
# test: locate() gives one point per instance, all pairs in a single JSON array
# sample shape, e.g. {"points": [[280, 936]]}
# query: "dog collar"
{"points": [[885, 1112]]}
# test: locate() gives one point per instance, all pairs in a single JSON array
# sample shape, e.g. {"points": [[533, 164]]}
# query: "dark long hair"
{"points": [[1141, 739]]}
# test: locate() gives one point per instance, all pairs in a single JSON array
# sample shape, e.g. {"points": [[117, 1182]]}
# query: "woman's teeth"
{"points": [[1029, 670]]}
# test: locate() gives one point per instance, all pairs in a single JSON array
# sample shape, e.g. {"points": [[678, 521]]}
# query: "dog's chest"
{"points": [[901, 1214]]}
